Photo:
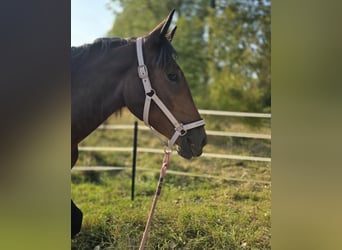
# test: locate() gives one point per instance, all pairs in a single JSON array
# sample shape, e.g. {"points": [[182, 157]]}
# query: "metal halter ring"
{"points": [[180, 129], [183, 132]]}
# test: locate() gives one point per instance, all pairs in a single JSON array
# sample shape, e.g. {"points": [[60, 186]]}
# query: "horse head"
{"points": [[167, 84]]}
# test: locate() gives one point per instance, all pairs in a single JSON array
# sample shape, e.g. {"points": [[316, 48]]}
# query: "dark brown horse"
{"points": [[142, 75]]}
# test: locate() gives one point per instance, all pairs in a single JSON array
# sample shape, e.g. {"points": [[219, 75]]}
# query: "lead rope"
{"points": [[180, 128], [156, 196]]}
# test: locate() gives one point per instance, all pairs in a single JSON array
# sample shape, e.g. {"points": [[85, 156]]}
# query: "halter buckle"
{"points": [[142, 71]]}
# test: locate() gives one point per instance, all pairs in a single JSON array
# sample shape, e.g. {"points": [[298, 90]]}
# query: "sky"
{"points": [[89, 20]]}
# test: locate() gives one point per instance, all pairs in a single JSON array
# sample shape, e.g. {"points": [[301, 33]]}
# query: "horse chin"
{"points": [[185, 154]]}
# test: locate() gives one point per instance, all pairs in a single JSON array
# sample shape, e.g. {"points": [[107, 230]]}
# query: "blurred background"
{"points": [[224, 47]]}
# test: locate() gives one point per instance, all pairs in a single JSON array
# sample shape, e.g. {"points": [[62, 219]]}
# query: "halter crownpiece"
{"points": [[180, 129]]}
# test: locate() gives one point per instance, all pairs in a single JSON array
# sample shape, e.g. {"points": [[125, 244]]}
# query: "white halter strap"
{"points": [[180, 129]]}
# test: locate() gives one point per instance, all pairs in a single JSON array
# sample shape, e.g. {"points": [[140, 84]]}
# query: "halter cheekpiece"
{"points": [[180, 129]]}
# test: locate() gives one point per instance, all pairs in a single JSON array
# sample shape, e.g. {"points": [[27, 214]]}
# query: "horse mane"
{"points": [[166, 56], [99, 47]]}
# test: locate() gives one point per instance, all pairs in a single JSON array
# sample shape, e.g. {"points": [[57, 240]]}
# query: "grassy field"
{"points": [[208, 208]]}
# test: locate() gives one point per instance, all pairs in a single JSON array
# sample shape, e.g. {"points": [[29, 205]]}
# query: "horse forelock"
{"points": [[167, 53]]}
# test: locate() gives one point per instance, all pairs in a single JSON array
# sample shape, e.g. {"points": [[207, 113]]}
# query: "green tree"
{"points": [[239, 65], [223, 47]]}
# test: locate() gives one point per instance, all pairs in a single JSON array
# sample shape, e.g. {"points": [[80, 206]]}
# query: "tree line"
{"points": [[223, 46]]}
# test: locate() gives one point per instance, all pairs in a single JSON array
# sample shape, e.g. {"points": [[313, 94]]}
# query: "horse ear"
{"points": [[162, 28], [167, 24], [170, 35]]}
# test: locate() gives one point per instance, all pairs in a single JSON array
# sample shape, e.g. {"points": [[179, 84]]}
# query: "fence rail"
{"points": [[209, 132], [160, 151], [233, 113]]}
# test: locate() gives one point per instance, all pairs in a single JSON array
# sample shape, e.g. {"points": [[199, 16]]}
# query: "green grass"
{"points": [[193, 212]]}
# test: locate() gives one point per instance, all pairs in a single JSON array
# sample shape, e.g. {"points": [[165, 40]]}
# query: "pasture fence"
{"points": [[136, 149]]}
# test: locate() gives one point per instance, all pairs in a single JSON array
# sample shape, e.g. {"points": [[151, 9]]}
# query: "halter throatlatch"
{"points": [[180, 129]]}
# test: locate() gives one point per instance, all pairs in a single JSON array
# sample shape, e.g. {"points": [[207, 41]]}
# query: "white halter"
{"points": [[180, 129]]}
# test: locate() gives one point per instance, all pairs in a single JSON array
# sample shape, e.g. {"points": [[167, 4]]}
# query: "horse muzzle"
{"points": [[191, 144]]}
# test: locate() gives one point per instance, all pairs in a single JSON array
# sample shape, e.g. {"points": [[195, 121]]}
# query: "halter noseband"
{"points": [[180, 129]]}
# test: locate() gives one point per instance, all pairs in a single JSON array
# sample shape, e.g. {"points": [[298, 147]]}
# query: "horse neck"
{"points": [[97, 90]]}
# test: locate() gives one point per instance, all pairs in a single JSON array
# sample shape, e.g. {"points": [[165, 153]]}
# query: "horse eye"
{"points": [[172, 77]]}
